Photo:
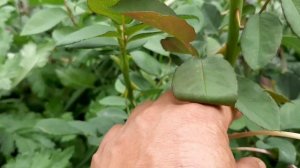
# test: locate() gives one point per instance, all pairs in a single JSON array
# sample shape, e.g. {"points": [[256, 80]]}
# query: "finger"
{"points": [[250, 162]]}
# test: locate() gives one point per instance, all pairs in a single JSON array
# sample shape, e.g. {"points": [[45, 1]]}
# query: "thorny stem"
{"points": [[264, 7], [236, 7], [265, 132], [125, 65]]}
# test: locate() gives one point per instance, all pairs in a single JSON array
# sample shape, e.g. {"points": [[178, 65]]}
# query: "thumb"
{"points": [[250, 162]]}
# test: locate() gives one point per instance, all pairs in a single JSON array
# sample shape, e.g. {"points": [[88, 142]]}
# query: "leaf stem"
{"points": [[265, 132], [236, 7], [264, 7], [71, 16], [125, 64]]}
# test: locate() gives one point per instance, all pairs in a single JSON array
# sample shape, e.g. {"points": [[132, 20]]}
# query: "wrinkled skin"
{"points": [[169, 133]]}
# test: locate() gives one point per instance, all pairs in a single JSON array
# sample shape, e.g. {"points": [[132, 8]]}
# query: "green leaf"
{"points": [[238, 124], [42, 159], [55, 126], [42, 2], [31, 57], [107, 118], [153, 44], [285, 150], [103, 8], [193, 14], [96, 42], [261, 39], [76, 78], [29, 143], [292, 42], [291, 10], [212, 46], [146, 62], [3, 2], [127, 6], [290, 115], [43, 21], [116, 114], [212, 18], [257, 105], [84, 127], [84, 34], [288, 84], [211, 80], [5, 42], [113, 101], [139, 82], [143, 35], [135, 28], [6, 143]]}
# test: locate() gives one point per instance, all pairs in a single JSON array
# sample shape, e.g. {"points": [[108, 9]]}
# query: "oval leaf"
{"points": [[41, 21], [285, 150], [292, 42], [290, 115], [261, 39], [102, 7], [257, 105], [84, 34], [55, 126], [146, 62], [76, 78], [291, 10], [211, 80]]}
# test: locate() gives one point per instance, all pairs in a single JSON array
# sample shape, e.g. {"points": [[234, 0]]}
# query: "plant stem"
{"points": [[257, 150], [71, 16], [264, 7], [125, 64], [265, 132], [236, 7]]}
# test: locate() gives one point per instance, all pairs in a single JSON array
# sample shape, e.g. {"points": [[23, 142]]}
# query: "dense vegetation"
{"points": [[68, 74]]}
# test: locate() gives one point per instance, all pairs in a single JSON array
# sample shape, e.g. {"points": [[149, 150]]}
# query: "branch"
{"points": [[257, 150], [265, 132], [236, 7], [71, 16], [264, 7]]}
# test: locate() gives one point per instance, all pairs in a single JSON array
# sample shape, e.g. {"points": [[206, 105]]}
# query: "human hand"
{"points": [[169, 133]]}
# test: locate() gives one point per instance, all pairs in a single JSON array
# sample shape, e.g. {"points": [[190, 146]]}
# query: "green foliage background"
{"points": [[58, 98]]}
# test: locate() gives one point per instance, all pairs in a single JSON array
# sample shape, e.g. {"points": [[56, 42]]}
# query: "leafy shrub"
{"points": [[67, 74]]}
